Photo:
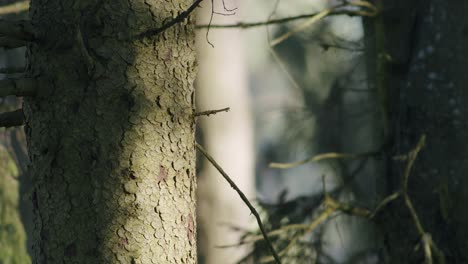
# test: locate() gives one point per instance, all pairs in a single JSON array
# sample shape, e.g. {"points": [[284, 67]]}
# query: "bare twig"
{"points": [[11, 119], [244, 25], [274, 233], [244, 198], [11, 43], [427, 243], [178, 19], [323, 156], [18, 87], [411, 158], [302, 26], [325, 215], [212, 112], [19, 30], [12, 70], [384, 202]]}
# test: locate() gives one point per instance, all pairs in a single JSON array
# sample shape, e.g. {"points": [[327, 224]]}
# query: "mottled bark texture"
{"points": [[425, 81], [111, 133], [12, 235]]}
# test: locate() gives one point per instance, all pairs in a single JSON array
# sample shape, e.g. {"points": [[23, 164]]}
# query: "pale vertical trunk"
{"points": [[111, 133], [228, 137]]}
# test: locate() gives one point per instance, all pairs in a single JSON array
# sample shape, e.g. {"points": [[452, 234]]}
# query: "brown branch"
{"points": [[212, 112], [11, 70], [324, 216], [244, 198], [19, 30], [384, 203], [411, 158], [18, 87], [11, 43], [427, 243], [11, 119], [178, 19], [14, 8], [246, 25], [273, 233], [323, 156]]}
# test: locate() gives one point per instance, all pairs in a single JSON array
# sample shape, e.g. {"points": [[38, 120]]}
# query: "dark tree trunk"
{"points": [[424, 45]]}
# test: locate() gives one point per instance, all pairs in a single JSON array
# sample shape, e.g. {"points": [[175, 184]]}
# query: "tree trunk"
{"points": [[111, 132], [425, 77], [227, 136]]}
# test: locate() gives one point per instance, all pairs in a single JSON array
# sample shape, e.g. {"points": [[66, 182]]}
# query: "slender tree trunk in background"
{"points": [[228, 137], [426, 85], [111, 133], [12, 235]]}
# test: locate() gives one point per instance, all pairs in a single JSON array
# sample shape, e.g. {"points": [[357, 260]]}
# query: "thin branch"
{"points": [[302, 26], [14, 8], [244, 198], [209, 23], [212, 112], [324, 156], [178, 19], [245, 25], [370, 12], [384, 203], [18, 87], [11, 119], [12, 70], [347, 208], [228, 9], [426, 240], [19, 30], [325, 215], [274, 233], [411, 158], [11, 43]]}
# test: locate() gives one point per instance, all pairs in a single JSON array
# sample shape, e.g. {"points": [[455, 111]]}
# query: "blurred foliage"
{"points": [[12, 235]]}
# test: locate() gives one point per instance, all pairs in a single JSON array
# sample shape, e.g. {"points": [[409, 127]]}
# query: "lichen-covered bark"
{"points": [[12, 235], [426, 84], [111, 133]]}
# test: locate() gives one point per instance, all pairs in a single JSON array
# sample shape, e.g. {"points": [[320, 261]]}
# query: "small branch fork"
{"points": [[428, 244], [178, 19], [244, 199]]}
